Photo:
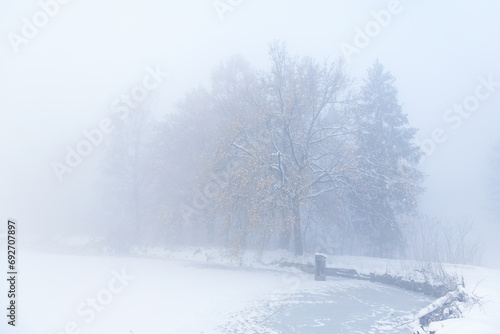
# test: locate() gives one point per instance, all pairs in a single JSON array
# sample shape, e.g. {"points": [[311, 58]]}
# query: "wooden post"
{"points": [[320, 265]]}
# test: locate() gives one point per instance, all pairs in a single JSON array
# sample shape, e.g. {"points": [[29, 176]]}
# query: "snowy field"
{"points": [[183, 293]]}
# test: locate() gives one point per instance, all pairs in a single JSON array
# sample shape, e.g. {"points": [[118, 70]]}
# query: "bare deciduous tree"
{"points": [[295, 145]]}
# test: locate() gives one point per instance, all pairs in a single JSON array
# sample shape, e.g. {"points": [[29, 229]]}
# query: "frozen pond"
{"points": [[335, 306]]}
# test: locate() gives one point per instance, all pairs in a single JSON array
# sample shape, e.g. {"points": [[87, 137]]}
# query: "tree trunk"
{"points": [[297, 232], [284, 241]]}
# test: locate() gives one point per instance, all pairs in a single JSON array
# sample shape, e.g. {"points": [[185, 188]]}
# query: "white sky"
{"points": [[66, 77]]}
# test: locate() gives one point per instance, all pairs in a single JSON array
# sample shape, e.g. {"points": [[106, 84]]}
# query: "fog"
{"points": [[65, 79]]}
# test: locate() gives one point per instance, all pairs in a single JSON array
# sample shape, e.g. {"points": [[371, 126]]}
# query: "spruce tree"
{"points": [[387, 180]]}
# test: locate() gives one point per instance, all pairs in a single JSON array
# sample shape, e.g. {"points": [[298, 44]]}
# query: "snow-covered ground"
{"points": [[200, 291], [67, 293], [485, 283]]}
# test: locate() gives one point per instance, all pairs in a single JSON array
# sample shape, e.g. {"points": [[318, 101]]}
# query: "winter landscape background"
{"points": [[235, 138]]}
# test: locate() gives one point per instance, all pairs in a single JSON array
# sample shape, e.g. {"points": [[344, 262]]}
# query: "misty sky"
{"points": [[65, 78]]}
